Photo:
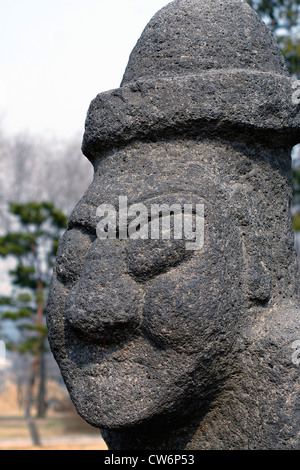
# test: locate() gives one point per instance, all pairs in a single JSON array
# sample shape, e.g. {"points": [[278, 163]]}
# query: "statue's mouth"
{"points": [[88, 352]]}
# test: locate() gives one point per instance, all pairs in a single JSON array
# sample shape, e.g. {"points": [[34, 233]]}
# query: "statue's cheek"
{"points": [[182, 309]]}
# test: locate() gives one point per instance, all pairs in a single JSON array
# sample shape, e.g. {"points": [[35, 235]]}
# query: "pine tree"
{"points": [[283, 18], [33, 247]]}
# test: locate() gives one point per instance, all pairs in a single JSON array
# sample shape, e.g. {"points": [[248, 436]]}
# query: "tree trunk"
{"points": [[41, 404], [29, 401]]}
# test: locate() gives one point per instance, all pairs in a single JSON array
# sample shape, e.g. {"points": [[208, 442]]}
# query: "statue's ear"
{"points": [[256, 274]]}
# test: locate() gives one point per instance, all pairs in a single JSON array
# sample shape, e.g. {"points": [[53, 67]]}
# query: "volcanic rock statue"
{"points": [[161, 346]]}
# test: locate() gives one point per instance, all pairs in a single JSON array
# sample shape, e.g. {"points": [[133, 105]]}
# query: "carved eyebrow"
{"points": [[83, 217], [87, 228]]}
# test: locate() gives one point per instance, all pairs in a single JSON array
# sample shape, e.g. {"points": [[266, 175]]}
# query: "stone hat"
{"points": [[199, 65]]}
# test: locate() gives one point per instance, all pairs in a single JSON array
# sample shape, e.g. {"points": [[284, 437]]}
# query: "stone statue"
{"points": [[163, 347]]}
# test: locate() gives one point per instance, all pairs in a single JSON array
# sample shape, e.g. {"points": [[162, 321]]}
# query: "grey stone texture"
{"points": [[160, 347]]}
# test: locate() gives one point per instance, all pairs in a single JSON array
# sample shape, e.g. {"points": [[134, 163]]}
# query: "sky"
{"points": [[56, 56]]}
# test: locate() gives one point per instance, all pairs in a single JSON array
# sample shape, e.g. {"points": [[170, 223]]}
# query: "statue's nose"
{"points": [[106, 303]]}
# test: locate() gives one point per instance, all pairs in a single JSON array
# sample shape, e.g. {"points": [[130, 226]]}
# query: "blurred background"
{"points": [[55, 58]]}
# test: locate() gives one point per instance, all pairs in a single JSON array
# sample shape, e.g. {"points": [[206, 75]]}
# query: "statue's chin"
{"points": [[118, 395]]}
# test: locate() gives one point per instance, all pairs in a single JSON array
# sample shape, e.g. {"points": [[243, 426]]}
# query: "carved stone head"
{"points": [[152, 337]]}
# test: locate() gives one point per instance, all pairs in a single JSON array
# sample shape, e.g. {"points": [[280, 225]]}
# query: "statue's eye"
{"points": [[149, 258], [71, 254]]}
